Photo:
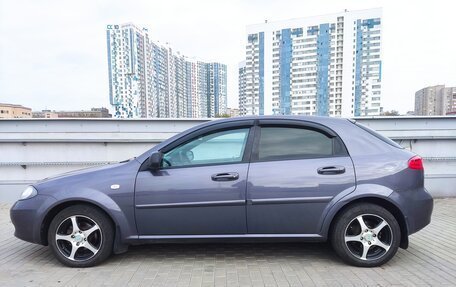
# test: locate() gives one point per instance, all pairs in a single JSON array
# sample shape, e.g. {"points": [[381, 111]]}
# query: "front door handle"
{"points": [[331, 170], [225, 176]]}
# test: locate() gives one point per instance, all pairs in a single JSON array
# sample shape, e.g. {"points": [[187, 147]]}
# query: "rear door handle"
{"points": [[331, 170], [225, 176]]}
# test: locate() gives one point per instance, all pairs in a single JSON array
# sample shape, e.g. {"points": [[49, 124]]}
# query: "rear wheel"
{"points": [[81, 236], [366, 235]]}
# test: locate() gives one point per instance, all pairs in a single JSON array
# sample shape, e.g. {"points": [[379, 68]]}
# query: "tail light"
{"points": [[416, 162]]}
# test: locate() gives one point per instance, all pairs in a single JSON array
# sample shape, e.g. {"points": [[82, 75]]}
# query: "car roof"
{"points": [[323, 120], [314, 119]]}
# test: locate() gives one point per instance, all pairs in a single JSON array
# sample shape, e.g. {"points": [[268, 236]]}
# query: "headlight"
{"points": [[29, 192]]}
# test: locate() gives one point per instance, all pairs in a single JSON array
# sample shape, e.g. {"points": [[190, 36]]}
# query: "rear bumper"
{"points": [[417, 206]]}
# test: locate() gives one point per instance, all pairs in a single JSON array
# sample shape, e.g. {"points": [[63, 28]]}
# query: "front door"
{"points": [[200, 189], [295, 172]]}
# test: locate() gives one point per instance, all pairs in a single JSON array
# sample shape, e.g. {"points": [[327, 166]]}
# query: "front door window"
{"points": [[215, 148]]}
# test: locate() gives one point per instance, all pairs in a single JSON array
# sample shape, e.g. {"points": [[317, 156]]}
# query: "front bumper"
{"points": [[417, 206], [27, 217]]}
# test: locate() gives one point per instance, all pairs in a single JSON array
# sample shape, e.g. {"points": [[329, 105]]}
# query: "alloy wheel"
{"points": [[368, 237], [78, 238]]}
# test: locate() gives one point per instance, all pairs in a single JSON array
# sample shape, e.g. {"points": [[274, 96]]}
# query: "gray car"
{"points": [[254, 178]]}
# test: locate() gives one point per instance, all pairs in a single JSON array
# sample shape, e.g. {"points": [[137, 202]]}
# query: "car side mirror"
{"points": [[155, 160]]}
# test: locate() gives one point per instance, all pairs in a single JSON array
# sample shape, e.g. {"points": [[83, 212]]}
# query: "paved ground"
{"points": [[430, 260]]}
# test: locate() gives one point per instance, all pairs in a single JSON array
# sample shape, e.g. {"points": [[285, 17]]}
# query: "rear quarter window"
{"points": [[377, 135]]}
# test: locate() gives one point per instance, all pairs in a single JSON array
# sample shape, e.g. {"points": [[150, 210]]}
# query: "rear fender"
{"points": [[343, 199]]}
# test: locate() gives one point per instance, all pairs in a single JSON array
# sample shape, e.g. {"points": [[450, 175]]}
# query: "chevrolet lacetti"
{"points": [[277, 177]]}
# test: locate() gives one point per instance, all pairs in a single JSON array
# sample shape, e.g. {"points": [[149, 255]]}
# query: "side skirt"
{"points": [[224, 238]]}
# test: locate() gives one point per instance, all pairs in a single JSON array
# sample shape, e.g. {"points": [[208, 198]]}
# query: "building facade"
{"points": [[10, 111], [449, 100], [326, 65], [435, 101], [149, 79]]}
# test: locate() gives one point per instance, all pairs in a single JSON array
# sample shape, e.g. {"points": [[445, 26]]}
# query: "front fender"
{"points": [[122, 217]]}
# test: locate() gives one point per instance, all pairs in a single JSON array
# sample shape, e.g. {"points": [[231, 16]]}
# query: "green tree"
{"points": [[222, 116]]}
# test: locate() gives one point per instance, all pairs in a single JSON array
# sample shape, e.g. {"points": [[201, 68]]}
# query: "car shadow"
{"points": [[246, 252]]}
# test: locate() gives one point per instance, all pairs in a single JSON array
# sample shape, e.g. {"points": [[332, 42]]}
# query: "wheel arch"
{"points": [[383, 202], [46, 222], [61, 206]]}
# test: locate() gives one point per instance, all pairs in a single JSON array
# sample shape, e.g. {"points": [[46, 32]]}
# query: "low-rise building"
{"points": [[232, 112], [11, 111], [93, 113]]}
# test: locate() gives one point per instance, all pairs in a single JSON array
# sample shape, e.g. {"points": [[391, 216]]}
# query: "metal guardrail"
{"points": [[65, 163], [95, 163], [413, 127], [31, 149], [92, 130], [156, 130], [439, 158]]}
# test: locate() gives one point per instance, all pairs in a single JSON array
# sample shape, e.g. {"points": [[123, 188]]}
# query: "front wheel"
{"points": [[366, 235], [81, 236]]}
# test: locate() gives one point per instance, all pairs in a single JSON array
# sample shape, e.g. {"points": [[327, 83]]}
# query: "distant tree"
{"points": [[222, 116], [391, 113]]}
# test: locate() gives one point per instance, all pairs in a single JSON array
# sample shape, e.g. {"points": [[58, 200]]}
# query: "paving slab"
{"points": [[430, 260]]}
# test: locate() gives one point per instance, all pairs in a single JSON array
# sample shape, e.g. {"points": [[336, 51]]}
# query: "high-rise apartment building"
{"points": [[216, 89], [326, 65], [149, 79], [435, 101], [129, 62], [242, 92], [450, 101]]}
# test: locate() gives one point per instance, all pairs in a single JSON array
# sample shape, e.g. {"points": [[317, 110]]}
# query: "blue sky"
{"points": [[53, 53]]}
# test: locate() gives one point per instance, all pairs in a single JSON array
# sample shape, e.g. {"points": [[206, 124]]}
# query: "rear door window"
{"points": [[279, 143]]}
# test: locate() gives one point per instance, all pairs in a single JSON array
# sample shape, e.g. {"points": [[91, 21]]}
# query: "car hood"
{"points": [[93, 179], [76, 174]]}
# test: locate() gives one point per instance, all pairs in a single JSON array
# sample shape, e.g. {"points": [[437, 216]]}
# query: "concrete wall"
{"points": [[32, 149]]}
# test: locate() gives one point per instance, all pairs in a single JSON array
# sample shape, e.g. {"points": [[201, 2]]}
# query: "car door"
{"points": [[297, 168], [201, 187]]}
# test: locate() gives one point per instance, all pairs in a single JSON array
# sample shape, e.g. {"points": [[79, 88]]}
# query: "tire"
{"points": [[379, 236], [89, 244]]}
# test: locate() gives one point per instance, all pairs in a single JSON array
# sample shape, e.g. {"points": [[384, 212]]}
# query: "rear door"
{"points": [[296, 170]]}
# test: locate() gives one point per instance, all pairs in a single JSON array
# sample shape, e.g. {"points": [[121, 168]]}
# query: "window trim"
{"points": [[299, 125], [207, 130], [253, 138]]}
